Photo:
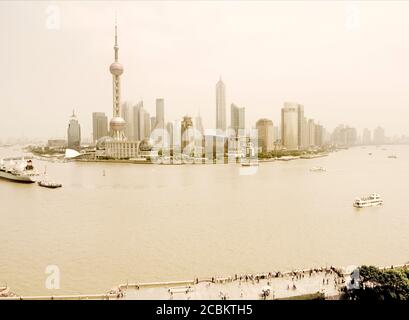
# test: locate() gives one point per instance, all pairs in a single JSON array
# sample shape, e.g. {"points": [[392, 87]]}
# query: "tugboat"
{"points": [[18, 173], [250, 164], [372, 200], [49, 184]]}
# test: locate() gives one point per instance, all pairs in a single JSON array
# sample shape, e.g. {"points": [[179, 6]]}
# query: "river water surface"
{"points": [[142, 223]]}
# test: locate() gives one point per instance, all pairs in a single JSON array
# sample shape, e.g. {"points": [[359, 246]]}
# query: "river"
{"points": [[142, 223]]}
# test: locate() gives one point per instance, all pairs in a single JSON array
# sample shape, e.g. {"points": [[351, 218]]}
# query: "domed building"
{"points": [[101, 143]]}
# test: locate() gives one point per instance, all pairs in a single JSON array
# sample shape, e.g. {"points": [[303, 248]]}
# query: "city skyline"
{"points": [[362, 104]]}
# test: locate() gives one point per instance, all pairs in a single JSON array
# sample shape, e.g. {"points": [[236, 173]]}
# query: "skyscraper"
{"points": [[305, 137], [153, 123], [379, 135], [99, 126], [289, 126], [169, 128], [139, 121], [127, 115], [319, 135], [366, 136], [74, 133], [301, 131], [344, 136], [160, 113], [311, 132], [146, 124], [265, 129], [220, 105], [237, 118], [199, 124], [351, 136], [187, 133], [117, 123]]}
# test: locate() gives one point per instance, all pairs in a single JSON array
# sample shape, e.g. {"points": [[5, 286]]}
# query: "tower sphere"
{"points": [[117, 124], [116, 69]]}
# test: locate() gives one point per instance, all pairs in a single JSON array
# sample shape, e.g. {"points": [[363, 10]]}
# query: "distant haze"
{"points": [[346, 62]]}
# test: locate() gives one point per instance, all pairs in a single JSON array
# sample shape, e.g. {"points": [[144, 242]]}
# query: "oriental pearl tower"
{"points": [[117, 124]]}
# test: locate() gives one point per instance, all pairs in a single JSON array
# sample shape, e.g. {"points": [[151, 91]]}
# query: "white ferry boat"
{"points": [[318, 169], [19, 173], [369, 201]]}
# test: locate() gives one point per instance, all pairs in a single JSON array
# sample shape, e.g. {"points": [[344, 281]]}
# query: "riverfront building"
{"points": [[74, 133], [344, 136], [289, 126], [265, 129]]}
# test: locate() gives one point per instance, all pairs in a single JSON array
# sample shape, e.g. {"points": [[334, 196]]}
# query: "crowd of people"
{"points": [[293, 277]]}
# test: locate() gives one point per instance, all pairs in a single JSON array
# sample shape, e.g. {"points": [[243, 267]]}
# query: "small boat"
{"points": [[369, 201], [370, 153], [318, 169], [249, 164], [49, 184]]}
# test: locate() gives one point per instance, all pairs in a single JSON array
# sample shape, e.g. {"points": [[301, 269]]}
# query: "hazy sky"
{"points": [[346, 62]]}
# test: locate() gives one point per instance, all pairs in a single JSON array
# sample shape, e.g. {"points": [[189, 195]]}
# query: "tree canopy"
{"points": [[376, 284]]}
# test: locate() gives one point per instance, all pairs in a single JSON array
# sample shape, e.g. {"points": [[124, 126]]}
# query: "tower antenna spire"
{"points": [[116, 47]]}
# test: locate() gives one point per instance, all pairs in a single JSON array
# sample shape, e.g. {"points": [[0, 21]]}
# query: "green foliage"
{"points": [[375, 284], [292, 153]]}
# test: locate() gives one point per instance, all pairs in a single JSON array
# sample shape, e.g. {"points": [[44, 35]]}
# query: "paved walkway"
{"points": [[250, 287]]}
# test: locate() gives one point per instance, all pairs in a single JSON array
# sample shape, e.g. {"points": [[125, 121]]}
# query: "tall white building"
{"points": [[289, 126], [221, 105], [160, 113]]}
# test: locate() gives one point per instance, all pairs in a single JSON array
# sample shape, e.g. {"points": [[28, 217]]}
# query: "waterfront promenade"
{"points": [[268, 286], [323, 282]]}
